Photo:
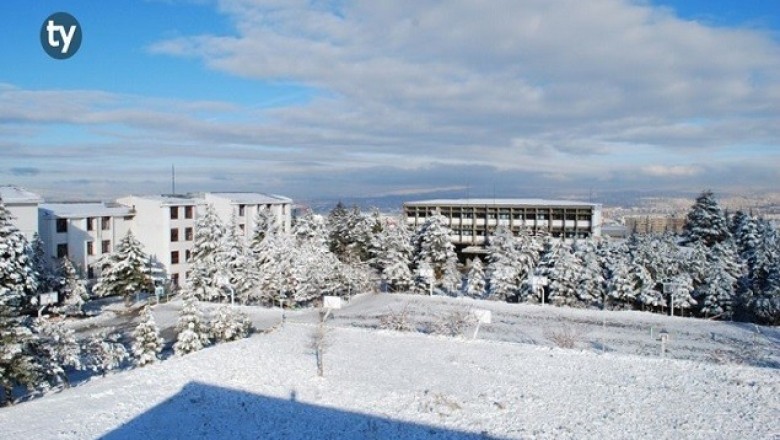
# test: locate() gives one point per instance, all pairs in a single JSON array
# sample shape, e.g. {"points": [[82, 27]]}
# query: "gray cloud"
{"points": [[25, 171]]}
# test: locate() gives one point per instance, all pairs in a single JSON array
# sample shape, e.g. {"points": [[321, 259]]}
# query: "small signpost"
{"points": [[483, 317], [663, 336], [46, 299], [671, 289], [330, 303]]}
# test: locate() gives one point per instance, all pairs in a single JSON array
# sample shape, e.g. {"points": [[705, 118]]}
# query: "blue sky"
{"points": [[325, 99]]}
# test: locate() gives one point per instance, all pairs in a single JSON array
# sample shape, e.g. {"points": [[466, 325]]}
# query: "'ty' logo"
{"points": [[61, 35]]}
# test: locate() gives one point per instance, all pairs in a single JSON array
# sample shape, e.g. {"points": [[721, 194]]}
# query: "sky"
{"points": [[325, 99]]}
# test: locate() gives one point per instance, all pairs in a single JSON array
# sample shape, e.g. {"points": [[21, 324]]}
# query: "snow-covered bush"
{"points": [[147, 343], [192, 332], [229, 325], [103, 352]]}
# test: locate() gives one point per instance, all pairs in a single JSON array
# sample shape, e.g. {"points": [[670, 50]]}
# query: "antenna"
{"points": [[173, 179]]}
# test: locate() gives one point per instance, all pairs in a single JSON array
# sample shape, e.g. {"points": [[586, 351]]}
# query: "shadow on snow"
{"points": [[207, 411]]}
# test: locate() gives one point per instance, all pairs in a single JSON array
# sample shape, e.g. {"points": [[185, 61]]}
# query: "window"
{"points": [[90, 223], [62, 225], [174, 212], [105, 246], [62, 250], [187, 256], [90, 248], [175, 279], [175, 234], [188, 234], [175, 257], [241, 210], [242, 228], [188, 212], [90, 272], [105, 223]]}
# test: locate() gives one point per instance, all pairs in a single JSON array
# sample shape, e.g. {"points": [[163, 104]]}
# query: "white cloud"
{"points": [[671, 171]]}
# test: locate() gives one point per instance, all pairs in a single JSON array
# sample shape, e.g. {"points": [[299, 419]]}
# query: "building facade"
{"points": [[473, 220], [654, 224], [244, 207], [23, 206], [83, 232]]}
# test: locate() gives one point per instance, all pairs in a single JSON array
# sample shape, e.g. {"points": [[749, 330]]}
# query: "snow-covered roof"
{"points": [[88, 209], [14, 194], [500, 202], [173, 199], [251, 198]]}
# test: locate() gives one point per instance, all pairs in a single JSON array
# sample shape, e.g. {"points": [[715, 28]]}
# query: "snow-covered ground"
{"points": [[385, 384]]}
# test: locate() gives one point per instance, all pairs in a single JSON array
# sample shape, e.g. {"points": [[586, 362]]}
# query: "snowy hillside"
{"points": [[385, 384]]}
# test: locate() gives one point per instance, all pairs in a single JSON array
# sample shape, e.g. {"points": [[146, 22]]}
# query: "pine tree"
{"points": [[475, 284], [71, 290], [204, 267], [103, 352], [229, 325], [147, 343], [682, 296], [592, 284], [564, 277], [716, 294], [266, 224], [424, 277], [54, 349], [432, 245], [706, 222], [234, 266], [125, 271], [192, 333], [338, 227], [18, 285], [47, 277], [392, 250]]}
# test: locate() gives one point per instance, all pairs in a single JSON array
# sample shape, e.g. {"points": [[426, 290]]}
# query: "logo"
{"points": [[61, 35]]}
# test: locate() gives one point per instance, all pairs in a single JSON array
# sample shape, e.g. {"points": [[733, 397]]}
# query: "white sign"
{"points": [[159, 291], [48, 298], [537, 281], [331, 302], [483, 316]]}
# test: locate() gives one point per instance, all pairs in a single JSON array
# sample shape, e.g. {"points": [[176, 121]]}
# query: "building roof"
{"points": [[87, 209], [172, 199], [250, 198], [14, 194], [500, 202]]}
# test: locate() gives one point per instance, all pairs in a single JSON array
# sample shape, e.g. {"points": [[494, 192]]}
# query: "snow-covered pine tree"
{"points": [[204, 268], [424, 277], [475, 281], [192, 332], [716, 294], [54, 349], [706, 222], [125, 271], [592, 285], [682, 296], [72, 290], [432, 245], [338, 227], [234, 266], [266, 224], [48, 278], [229, 325], [762, 254], [18, 285], [103, 352], [392, 251], [564, 278], [311, 227], [147, 343], [764, 307]]}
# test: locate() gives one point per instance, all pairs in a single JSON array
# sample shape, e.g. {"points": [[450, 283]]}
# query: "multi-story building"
{"points": [[473, 220], [165, 225], [244, 207], [23, 206], [83, 232]]}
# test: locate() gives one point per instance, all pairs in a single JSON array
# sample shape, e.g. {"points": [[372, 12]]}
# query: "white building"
{"points": [[23, 206], [165, 225], [83, 232], [244, 206], [473, 220]]}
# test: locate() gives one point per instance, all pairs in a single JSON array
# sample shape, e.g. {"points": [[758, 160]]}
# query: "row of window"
{"points": [[188, 234], [105, 224], [175, 256], [188, 212], [105, 247]]}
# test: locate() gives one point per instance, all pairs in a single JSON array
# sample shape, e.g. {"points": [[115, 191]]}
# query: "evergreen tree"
{"points": [[125, 271], [204, 265], [564, 277], [424, 277], [475, 284], [682, 296], [338, 227], [192, 333], [706, 222], [716, 294], [234, 265], [47, 277], [266, 224], [592, 284], [72, 291], [18, 285], [147, 343], [54, 349], [229, 325], [103, 352], [432, 245], [392, 249]]}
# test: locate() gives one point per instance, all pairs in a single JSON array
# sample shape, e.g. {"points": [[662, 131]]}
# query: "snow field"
{"points": [[383, 383]]}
